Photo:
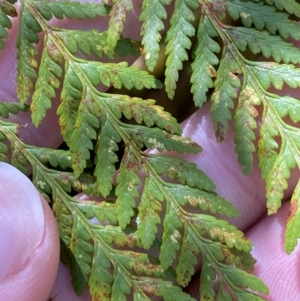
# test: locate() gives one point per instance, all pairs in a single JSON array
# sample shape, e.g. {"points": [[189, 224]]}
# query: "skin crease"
{"points": [[217, 160]]}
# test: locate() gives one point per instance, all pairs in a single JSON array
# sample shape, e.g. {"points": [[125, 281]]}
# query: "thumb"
{"points": [[29, 243]]}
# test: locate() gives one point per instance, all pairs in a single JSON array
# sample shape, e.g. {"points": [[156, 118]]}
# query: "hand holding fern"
{"points": [[83, 102]]}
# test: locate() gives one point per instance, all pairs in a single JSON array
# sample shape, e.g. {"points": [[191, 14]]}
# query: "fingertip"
{"points": [[277, 269], [32, 278]]}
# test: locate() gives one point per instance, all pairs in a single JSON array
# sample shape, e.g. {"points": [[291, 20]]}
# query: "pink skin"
{"points": [[32, 278]]}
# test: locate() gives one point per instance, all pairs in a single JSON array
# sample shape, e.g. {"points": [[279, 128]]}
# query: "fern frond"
{"points": [[263, 17], [153, 12], [271, 73], [183, 171], [11, 107], [71, 9], [268, 45], [27, 52], [118, 75], [126, 193], [108, 137], [48, 80], [6, 10], [106, 157], [226, 84], [117, 21], [291, 7], [205, 59], [84, 132], [178, 41]]}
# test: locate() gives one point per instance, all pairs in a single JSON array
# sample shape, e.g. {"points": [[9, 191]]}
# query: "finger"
{"points": [[29, 242], [277, 269]]}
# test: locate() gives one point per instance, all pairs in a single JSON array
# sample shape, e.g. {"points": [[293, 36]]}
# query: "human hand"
{"points": [[36, 271]]}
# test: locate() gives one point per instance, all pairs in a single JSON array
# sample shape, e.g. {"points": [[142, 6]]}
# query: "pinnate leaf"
{"points": [[6, 10], [143, 111], [117, 20], [271, 73], [148, 216], [183, 171], [291, 6], [83, 134], [48, 80], [28, 35], [11, 107], [178, 41], [126, 193], [224, 93], [204, 61], [153, 12], [118, 75], [268, 45], [106, 157], [292, 233], [263, 16], [71, 9]]}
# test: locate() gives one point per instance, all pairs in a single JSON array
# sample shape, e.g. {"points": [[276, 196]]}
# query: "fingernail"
{"points": [[21, 219]]}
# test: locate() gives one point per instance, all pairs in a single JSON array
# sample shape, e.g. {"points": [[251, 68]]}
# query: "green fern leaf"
{"points": [[204, 61], [263, 16], [207, 277], [143, 111], [100, 289], [200, 198], [148, 216], [161, 140], [183, 171], [118, 75], [291, 6], [153, 12], [267, 146], [224, 93], [104, 212], [178, 41], [187, 261], [81, 249], [48, 80], [244, 125], [117, 20], [95, 42], [292, 232], [11, 107], [87, 42], [71, 96], [235, 287], [126, 193], [106, 157], [83, 134], [279, 170], [56, 157], [120, 287], [240, 279], [71, 9], [27, 52], [222, 231], [170, 292], [268, 45], [6, 9], [171, 238], [271, 73]]}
